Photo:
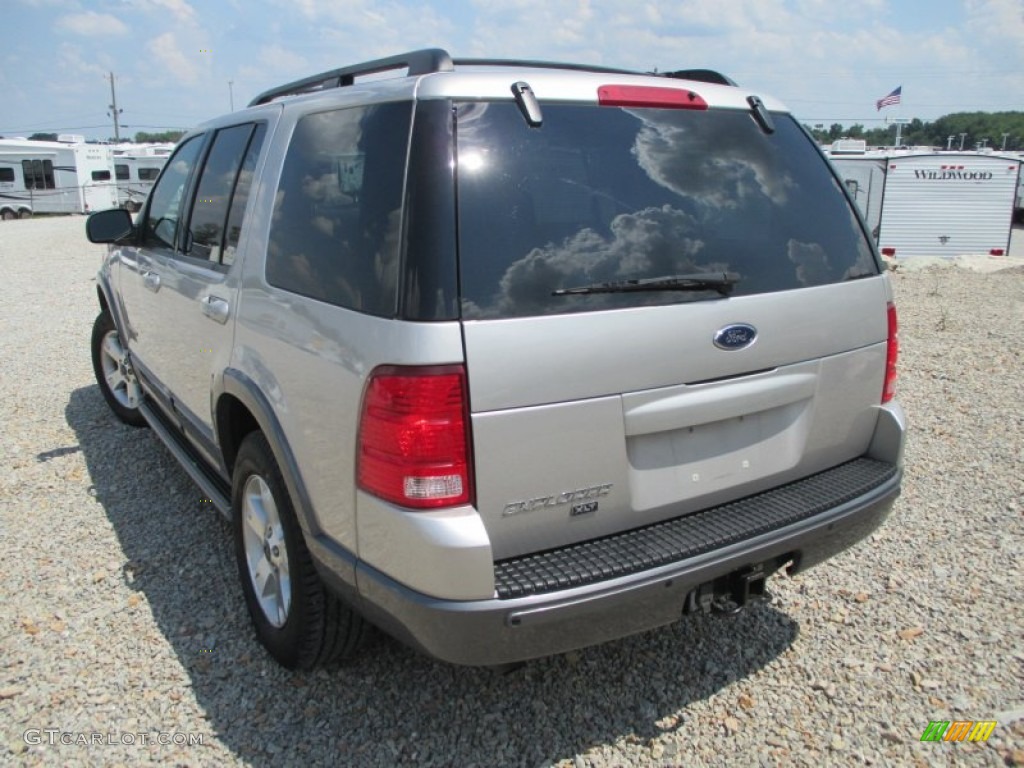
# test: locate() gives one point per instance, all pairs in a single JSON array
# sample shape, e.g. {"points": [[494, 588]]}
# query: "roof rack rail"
{"points": [[701, 76], [428, 60], [420, 62]]}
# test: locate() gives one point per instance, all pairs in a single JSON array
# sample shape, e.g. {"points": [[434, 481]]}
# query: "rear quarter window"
{"points": [[600, 194], [336, 223]]}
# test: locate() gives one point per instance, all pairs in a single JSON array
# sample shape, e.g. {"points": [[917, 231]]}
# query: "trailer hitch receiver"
{"points": [[730, 593]]}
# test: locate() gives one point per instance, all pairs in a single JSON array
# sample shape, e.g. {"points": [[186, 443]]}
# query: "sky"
{"points": [[177, 63]]}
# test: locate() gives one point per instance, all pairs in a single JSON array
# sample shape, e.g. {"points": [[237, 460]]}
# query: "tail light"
{"points": [[414, 437], [892, 351]]}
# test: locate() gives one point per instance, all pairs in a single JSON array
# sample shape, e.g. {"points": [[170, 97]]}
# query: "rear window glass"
{"points": [[600, 194]]}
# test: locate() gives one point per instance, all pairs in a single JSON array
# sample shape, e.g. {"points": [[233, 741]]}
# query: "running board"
{"points": [[215, 489]]}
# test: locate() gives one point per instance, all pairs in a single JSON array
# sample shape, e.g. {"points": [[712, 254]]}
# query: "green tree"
{"points": [[974, 126], [166, 136], [43, 137]]}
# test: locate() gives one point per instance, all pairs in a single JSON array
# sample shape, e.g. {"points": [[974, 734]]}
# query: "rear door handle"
{"points": [[215, 308], [151, 280]]}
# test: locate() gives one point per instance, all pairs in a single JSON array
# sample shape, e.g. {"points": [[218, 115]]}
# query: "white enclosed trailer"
{"points": [[934, 204], [865, 181], [136, 169], [68, 176]]}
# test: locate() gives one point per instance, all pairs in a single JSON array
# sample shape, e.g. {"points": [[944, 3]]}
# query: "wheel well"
{"points": [[234, 422], [103, 299]]}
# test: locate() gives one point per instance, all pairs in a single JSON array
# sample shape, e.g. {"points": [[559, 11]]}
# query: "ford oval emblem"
{"points": [[735, 336]]}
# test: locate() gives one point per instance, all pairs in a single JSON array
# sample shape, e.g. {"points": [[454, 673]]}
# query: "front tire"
{"points": [[297, 620], [114, 373]]}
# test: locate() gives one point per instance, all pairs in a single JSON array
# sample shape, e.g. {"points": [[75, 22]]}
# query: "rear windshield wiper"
{"points": [[704, 281]]}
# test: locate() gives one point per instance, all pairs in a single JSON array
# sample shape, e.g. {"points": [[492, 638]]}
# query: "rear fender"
{"points": [[336, 564]]}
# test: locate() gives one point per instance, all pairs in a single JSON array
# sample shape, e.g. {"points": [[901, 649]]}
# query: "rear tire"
{"points": [[114, 373], [25, 215], [297, 620], [8, 215]]}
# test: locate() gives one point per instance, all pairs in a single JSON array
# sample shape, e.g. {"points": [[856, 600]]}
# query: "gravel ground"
{"points": [[121, 618]]}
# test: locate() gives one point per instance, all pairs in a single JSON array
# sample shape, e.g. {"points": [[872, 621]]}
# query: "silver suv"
{"points": [[506, 357]]}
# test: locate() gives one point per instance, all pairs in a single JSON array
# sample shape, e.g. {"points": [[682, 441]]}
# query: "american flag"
{"points": [[892, 98]]}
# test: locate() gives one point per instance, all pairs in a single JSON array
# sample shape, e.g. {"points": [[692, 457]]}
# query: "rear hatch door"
{"points": [[663, 309]]}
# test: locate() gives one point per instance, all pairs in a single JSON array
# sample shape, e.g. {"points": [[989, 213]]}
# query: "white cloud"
{"points": [[171, 59], [366, 29], [280, 59], [92, 24], [73, 64], [181, 10], [998, 18]]}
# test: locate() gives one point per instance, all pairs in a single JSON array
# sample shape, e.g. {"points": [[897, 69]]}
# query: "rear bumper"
{"points": [[551, 618]]}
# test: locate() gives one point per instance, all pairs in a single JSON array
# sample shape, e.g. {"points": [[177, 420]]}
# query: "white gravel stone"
{"points": [[846, 665]]}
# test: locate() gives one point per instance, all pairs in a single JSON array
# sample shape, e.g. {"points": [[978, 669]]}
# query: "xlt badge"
{"points": [[567, 497]]}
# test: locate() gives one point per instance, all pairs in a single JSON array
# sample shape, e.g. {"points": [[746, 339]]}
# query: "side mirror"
{"points": [[109, 226]]}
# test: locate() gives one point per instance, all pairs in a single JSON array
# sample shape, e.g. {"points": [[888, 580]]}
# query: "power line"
{"points": [[905, 73], [65, 127]]}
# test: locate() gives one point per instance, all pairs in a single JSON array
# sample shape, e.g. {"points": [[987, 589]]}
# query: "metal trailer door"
{"points": [[948, 205]]}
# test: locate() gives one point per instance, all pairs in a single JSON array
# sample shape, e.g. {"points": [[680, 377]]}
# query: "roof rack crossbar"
{"points": [[701, 76], [420, 62], [531, 64]]}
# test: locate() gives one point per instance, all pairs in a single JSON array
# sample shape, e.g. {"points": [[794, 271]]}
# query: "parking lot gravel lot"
{"points": [[124, 638]]}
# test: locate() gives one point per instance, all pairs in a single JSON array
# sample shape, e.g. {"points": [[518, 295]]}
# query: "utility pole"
{"points": [[1005, 137], [962, 137], [114, 110], [231, 94], [949, 142]]}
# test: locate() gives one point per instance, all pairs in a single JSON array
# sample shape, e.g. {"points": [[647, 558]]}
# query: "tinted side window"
{"points": [[148, 174], [335, 229], [121, 172], [210, 208], [6, 174], [165, 205], [101, 175], [241, 196]]}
